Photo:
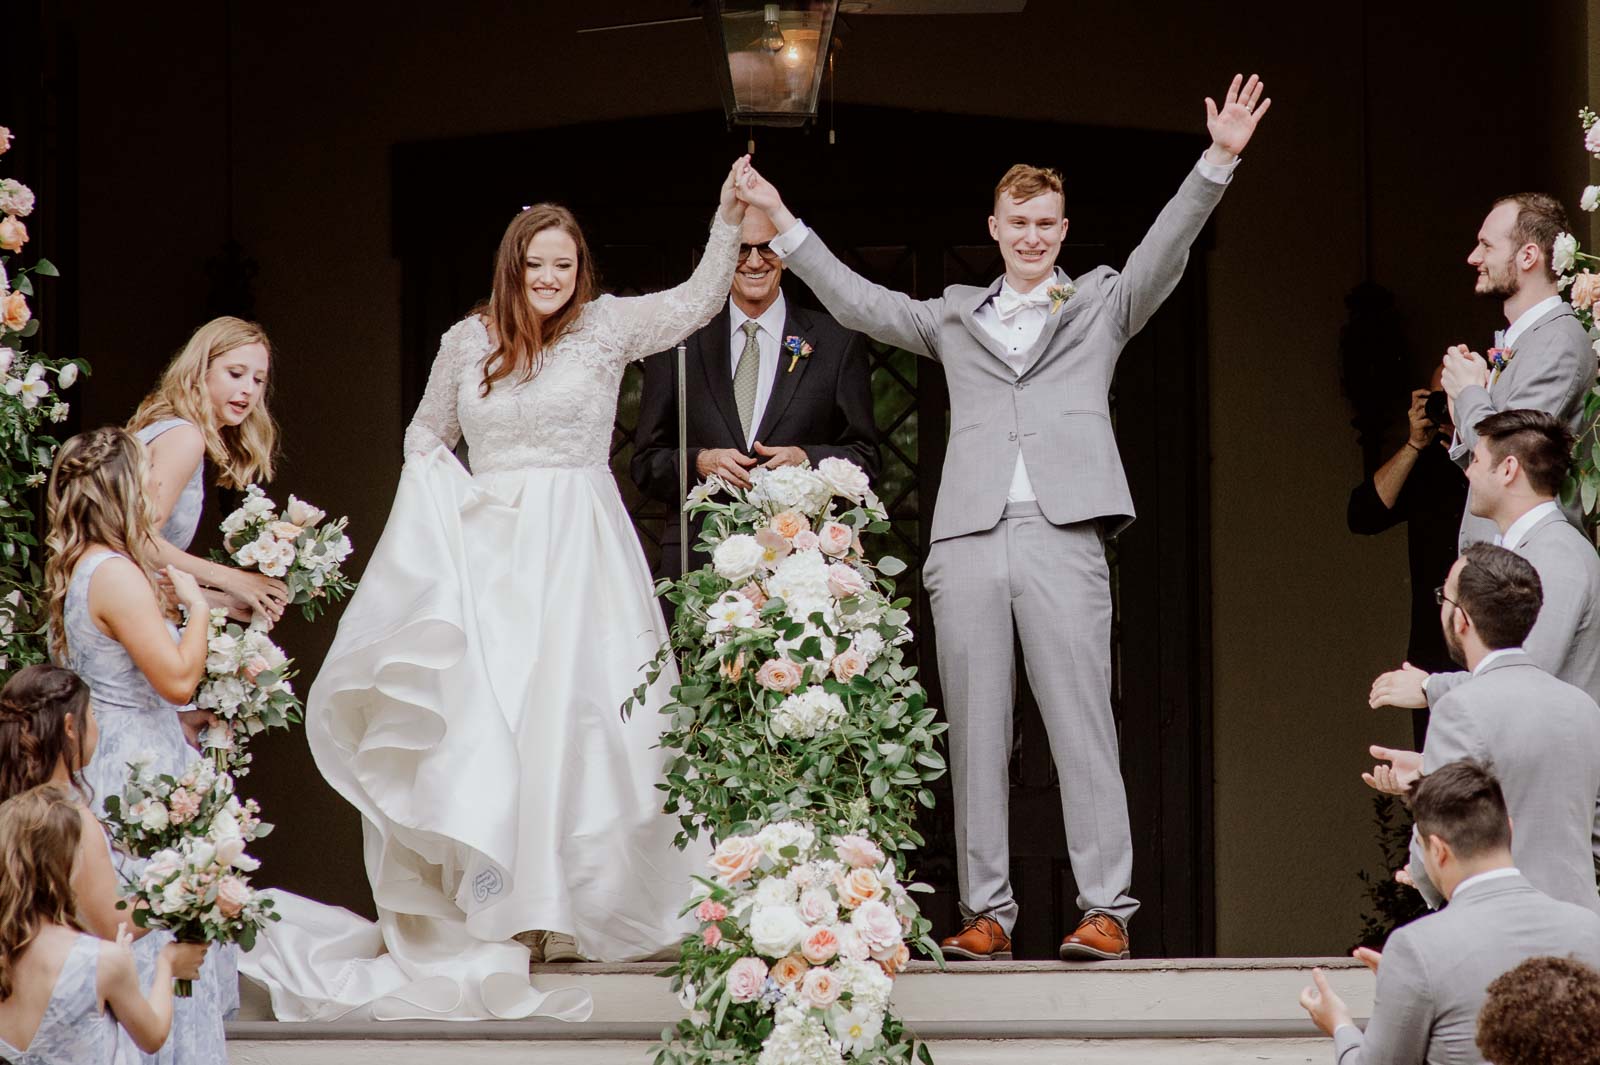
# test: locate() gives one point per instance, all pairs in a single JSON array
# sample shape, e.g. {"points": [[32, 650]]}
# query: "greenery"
{"points": [[1390, 903]]}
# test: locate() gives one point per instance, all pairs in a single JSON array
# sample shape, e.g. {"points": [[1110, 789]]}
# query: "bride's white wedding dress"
{"points": [[469, 706]]}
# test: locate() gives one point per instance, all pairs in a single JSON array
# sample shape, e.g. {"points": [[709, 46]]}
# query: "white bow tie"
{"points": [[1009, 302]]}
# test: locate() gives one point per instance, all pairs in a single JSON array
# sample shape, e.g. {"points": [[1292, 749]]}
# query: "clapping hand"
{"points": [[1399, 687], [1232, 126], [1327, 1009], [1397, 777], [1462, 367], [1368, 957]]}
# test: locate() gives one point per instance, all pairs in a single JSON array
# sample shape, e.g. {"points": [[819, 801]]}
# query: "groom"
{"points": [[1032, 486]]}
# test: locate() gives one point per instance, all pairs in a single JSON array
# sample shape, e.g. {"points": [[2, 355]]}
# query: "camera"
{"points": [[1437, 408]]}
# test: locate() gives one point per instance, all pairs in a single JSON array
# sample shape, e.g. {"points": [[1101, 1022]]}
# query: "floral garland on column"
{"points": [[29, 405], [802, 744]]}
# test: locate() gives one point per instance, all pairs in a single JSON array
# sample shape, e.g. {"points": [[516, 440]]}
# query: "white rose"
{"points": [[776, 930], [737, 557], [302, 513], [234, 523], [1564, 253], [1591, 198], [818, 907], [877, 926], [776, 891], [67, 375], [173, 898], [844, 477], [256, 504], [153, 816]]}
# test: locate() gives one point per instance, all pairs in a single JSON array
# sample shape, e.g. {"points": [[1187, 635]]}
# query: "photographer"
{"points": [[1420, 485]]}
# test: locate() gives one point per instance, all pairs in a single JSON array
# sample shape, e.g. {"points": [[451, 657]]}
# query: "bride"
{"points": [[469, 705]]}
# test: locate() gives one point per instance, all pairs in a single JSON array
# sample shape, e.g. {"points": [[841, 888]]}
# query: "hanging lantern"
{"points": [[770, 58]]}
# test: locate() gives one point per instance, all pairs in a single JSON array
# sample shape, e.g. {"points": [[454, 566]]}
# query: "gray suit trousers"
{"points": [[1052, 583]]}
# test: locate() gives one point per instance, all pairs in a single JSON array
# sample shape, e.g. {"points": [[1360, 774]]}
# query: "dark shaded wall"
{"points": [[1460, 104]]}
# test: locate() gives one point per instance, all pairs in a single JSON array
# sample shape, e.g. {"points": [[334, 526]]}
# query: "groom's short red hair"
{"points": [[1024, 182]]}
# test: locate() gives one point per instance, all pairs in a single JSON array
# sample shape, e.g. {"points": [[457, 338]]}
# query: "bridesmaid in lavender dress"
{"points": [[108, 624], [211, 403]]}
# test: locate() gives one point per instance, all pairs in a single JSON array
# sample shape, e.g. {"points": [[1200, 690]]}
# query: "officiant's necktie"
{"points": [[746, 375]]}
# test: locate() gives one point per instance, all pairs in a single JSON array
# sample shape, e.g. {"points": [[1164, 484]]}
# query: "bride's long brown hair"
{"points": [[521, 337]]}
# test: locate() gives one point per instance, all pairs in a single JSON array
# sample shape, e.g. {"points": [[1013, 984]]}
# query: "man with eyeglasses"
{"points": [[770, 383], [1541, 735]]}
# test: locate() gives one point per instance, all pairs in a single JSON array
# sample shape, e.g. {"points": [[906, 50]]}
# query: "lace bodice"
{"points": [[185, 517], [74, 1030], [563, 416]]}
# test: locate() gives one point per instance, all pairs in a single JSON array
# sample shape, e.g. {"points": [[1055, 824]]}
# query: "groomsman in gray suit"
{"points": [[1032, 486], [1542, 360], [1541, 734], [1519, 461], [1434, 973]]}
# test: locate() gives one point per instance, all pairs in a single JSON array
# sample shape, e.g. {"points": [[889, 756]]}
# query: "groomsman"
{"points": [[1519, 461], [1032, 486], [751, 400], [1434, 973], [1541, 735], [1542, 359]]}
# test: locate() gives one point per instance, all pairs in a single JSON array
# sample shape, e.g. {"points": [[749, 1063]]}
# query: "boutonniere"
{"points": [[798, 349], [1499, 359], [1059, 295]]}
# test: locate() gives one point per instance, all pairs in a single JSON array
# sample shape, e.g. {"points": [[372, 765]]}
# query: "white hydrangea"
{"points": [[780, 834], [737, 557], [798, 1039], [801, 581], [865, 982], [868, 644], [869, 610], [806, 714], [777, 891], [788, 488]]}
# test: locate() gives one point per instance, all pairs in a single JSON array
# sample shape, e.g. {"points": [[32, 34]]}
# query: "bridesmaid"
{"points": [[111, 624], [63, 993], [211, 403]]}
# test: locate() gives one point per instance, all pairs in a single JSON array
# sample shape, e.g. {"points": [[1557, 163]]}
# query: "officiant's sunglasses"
{"points": [[764, 250]]}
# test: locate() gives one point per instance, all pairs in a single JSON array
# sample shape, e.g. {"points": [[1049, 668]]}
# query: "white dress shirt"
{"points": [[1513, 537], [1018, 333], [769, 336], [1493, 874], [1483, 662]]}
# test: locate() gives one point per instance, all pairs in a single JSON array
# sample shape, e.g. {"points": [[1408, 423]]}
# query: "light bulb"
{"points": [[771, 32]]}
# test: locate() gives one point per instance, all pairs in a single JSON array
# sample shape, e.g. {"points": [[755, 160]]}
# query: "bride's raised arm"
{"points": [[643, 325]]}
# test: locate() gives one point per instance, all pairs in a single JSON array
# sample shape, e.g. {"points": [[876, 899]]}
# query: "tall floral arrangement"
{"points": [[801, 742], [30, 403]]}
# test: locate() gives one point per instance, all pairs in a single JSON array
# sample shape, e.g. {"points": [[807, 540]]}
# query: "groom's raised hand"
{"points": [[760, 193], [731, 205], [1232, 126]]}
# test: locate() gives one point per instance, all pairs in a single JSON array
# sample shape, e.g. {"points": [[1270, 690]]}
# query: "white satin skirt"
{"points": [[469, 708]]}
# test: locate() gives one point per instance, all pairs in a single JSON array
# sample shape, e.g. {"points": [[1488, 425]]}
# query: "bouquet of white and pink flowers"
{"points": [[157, 811], [246, 685], [800, 940], [197, 890], [297, 546]]}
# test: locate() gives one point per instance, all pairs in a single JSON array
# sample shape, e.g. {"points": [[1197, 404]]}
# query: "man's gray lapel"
{"points": [[969, 313], [1058, 316]]}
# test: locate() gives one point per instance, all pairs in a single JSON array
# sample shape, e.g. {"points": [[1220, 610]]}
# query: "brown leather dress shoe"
{"points": [[1099, 937], [981, 939]]}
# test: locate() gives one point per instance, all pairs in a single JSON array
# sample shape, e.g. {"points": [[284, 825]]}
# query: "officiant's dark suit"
{"points": [[820, 403]]}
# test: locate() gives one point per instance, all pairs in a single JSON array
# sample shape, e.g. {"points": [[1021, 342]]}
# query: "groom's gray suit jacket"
{"points": [[1541, 736], [1057, 411], [1436, 971], [1552, 368]]}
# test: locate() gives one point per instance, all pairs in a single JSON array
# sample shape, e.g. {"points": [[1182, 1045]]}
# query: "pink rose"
{"points": [[778, 675], [859, 852], [860, 886], [819, 945], [255, 667], [232, 895], [710, 911], [805, 541], [13, 234], [184, 804], [820, 989], [897, 960], [849, 664], [835, 538], [877, 926], [746, 978], [851, 945], [735, 858], [5, 140], [817, 907], [845, 581], [713, 936], [14, 313], [1585, 290], [789, 524], [790, 970], [754, 594]]}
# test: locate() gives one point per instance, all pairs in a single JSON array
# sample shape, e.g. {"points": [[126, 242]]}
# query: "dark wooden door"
{"points": [[903, 197]]}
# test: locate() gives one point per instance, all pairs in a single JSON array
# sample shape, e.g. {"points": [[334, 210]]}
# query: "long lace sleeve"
{"points": [[637, 326], [436, 421]]}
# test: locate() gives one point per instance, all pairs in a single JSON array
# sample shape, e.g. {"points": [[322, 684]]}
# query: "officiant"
{"points": [[770, 383]]}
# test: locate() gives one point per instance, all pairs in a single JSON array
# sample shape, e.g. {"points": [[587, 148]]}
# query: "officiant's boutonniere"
{"points": [[1060, 294], [798, 349]]}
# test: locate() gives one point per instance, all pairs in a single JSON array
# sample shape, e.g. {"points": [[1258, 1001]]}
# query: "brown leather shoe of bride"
{"points": [[1099, 937], [981, 939], [533, 939]]}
